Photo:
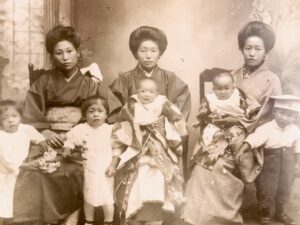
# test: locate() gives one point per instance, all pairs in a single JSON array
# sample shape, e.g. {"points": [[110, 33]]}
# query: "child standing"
{"points": [[15, 139], [215, 190], [280, 139], [94, 137], [150, 138]]}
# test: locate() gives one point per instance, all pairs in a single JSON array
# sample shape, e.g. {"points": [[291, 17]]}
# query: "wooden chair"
{"points": [[34, 74], [205, 80]]}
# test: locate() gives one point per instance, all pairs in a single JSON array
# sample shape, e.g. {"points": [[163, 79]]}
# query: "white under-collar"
{"points": [[70, 78], [147, 74]]}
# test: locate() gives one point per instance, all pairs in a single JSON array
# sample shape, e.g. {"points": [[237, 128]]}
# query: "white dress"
{"points": [[98, 188], [14, 148]]}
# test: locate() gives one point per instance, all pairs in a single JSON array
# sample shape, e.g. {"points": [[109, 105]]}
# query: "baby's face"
{"points": [[223, 87], [147, 91], [10, 119]]}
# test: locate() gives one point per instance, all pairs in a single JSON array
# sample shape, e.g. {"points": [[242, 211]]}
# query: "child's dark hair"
{"points": [[223, 74], [4, 104], [91, 101]]}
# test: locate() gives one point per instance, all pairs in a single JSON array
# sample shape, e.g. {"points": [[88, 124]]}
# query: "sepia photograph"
{"points": [[161, 112]]}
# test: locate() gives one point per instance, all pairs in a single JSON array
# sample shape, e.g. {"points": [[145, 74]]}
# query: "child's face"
{"points": [[10, 120], [96, 115], [284, 117], [147, 91], [223, 87]]}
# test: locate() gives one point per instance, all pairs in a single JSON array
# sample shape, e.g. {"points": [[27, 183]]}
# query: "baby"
{"points": [[223, 112], [15, 139]]}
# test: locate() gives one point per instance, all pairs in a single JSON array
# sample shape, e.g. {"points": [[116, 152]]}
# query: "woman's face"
{"points": [[65, 55], [148, 54], [254, 52]]}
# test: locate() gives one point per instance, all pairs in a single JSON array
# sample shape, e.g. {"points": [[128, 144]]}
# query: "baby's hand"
{"points": [[111, 171]]}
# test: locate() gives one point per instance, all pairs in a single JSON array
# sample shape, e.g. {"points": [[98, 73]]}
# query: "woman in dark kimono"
{"points": [[52, 105], [216, 196], [147, 45]]}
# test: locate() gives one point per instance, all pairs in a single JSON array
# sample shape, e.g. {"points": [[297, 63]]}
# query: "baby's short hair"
{"points": [[146, 79], [91, 101], [4, 104], [223, 74]]}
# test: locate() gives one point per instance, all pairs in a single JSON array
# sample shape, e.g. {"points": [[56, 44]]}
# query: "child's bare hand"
{"points": [[111, 171]]}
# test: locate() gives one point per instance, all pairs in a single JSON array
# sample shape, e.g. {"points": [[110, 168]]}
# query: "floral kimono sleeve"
{"points": [[121, 137]]}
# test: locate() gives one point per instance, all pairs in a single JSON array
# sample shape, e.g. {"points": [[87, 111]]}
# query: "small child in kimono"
{"points": [[280, 139], [223, 111], [15, 139], [152, 128], [93, 138]]}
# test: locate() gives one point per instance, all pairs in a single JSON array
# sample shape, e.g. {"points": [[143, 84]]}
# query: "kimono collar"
{"points": [[246, 73], [69, 78], [147, 74]]}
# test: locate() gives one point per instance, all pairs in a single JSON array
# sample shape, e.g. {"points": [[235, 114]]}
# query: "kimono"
{"points": [[53, 103], [215, 196], [215, 190], [261, 84], [216, 138], [149, 177], [168, 84]]}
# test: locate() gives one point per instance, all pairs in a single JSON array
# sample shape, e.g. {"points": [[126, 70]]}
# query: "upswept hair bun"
{"points": [[147, 33], [259, 29], [61, 33]]}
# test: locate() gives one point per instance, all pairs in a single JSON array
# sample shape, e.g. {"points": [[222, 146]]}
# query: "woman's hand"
{"points": [[67, 152], [32, 165], [44, 145], [111, 171], [53, 139]]}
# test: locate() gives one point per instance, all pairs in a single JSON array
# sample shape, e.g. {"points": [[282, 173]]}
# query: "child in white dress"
{"points": [[94, 137], [15, 139]]}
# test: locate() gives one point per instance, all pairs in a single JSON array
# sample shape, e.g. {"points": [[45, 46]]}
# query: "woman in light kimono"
{"points": [[216, 196], [52, 105]]}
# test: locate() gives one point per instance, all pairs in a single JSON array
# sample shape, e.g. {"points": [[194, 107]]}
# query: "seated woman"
{"points": [[52, 105], [150, 139]]}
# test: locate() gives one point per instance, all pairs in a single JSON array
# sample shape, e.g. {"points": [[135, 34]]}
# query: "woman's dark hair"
{"points": [[8, 103], [144, 33], [259, 29], [61, 33], [91, 101]]}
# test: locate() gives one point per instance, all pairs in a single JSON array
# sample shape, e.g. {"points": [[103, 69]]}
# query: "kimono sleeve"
{"points": [[174, 116], [113, 102], [120, 88], [121, 137], [34, 107], [179, 94]]}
